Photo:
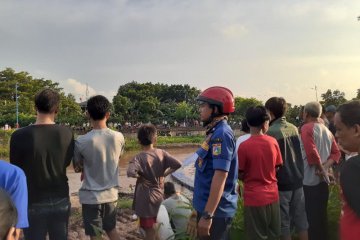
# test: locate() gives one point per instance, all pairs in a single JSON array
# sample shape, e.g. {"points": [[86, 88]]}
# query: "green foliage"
{"points": [[4, 143], [334, 208], [124, 203], [237, 225], [28, 86], [333, 98], [241, 105], [293, 115], [357, 95], [148, 102]]}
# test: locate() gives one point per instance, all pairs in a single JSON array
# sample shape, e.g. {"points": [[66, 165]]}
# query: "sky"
{"points": [[255, 48]]}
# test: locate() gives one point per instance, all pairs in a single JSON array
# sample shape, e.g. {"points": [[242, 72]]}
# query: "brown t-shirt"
{"points": [[149, 167]]}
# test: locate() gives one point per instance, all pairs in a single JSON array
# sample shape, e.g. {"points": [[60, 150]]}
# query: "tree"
{"points": [[293, 114], [27, 89], [241, 106], [154, 102], [357, 95], [335, 98]]}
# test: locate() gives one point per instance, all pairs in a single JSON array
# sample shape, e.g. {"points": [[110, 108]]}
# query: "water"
{"points": [[186, 174], [180, 153]]}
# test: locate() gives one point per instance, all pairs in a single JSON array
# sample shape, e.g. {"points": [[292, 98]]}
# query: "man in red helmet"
{"points": [[215, 198]]}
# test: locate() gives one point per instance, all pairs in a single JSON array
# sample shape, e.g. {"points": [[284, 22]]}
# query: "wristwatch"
{"points": [[207, 216]]}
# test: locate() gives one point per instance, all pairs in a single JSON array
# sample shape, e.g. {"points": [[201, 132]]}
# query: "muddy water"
{"points": [[180, 153]]}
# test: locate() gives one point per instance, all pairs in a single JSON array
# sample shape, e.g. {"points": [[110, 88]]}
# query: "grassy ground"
{"points": [[334, 207]]}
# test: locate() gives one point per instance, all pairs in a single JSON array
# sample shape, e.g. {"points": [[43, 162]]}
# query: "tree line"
{"points": [[134, 102]]}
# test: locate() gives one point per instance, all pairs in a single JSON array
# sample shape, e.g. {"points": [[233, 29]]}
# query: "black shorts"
{"points": [[99, 217]]}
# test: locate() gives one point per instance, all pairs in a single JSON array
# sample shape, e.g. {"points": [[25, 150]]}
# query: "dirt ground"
{"points": [[126, 225]]}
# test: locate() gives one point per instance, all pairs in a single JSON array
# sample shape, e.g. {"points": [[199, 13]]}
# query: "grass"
{"points": [[4, 143], [334, 208], [124, 203]]}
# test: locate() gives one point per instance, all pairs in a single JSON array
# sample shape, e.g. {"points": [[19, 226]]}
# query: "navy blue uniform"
{"points": [[217, 153]]}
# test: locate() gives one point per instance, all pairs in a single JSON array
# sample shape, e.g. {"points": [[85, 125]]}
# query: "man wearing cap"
{"points": [[215, 198]]}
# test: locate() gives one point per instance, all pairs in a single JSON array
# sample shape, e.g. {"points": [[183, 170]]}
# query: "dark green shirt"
{"points": [[290, 175]]}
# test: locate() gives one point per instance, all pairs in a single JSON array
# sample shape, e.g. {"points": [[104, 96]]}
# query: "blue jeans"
{"points": [[220, 228], [51, 216]]}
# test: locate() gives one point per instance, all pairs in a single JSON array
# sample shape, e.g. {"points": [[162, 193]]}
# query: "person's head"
{"points": [[98, 108], [147, 134], [169, 189], [276, 106], [215, 102], [244, 126], [330, 112], [347, 123], [312, 110], [8, 217], [257, 117], [47, 101]]}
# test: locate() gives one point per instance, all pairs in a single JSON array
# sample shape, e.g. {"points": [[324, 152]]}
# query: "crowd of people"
{"points": [[285, 173]]}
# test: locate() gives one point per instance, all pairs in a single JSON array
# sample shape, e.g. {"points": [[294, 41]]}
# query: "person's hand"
{"points": [[191, 228], [204, 226], [327, 165]]}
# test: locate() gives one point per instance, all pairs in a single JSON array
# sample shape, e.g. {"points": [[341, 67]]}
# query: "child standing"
{"points": [[258, 158], [150, 167], [98, 153]]}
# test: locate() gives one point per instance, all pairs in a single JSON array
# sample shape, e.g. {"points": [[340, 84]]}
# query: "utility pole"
{"points": [[17, 105], [316, 95]]}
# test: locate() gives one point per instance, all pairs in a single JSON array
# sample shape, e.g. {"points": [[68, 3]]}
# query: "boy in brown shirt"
{"points": [[150, 167]]}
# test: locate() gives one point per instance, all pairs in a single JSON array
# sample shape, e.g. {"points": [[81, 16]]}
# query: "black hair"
{"points": [[277, 106], [244, 126], [47, 101], [350, 113], [8, 214], [169, 189], [256, 116], [98, 106], [147, 134]]}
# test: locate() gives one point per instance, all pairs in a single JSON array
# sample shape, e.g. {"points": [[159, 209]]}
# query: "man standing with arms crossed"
{"points": [[215, 198]]}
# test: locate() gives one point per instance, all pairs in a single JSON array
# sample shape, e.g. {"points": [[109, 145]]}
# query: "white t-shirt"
{"points": [[240, 140]]}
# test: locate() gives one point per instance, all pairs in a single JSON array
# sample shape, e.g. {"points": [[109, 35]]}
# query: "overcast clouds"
{"points": [[256, 48]]}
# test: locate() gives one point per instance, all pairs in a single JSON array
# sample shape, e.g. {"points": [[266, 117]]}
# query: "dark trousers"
{"points": [[316, 201], [220, 228], [51, 216]]}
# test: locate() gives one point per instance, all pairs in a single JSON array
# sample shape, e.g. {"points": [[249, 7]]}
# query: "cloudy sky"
{"points": [[256, 48]]}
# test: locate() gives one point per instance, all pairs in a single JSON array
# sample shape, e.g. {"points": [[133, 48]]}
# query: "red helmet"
{"points": [[219, 96]]}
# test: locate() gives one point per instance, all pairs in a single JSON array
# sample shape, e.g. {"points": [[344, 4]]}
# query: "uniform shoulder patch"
{"points": [[216, 149]]}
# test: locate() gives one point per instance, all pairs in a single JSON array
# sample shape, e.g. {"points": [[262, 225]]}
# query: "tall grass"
{"points": [[4, 143]]}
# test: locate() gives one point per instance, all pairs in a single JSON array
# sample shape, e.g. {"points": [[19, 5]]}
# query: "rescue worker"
{"points": [[215, 197]]}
